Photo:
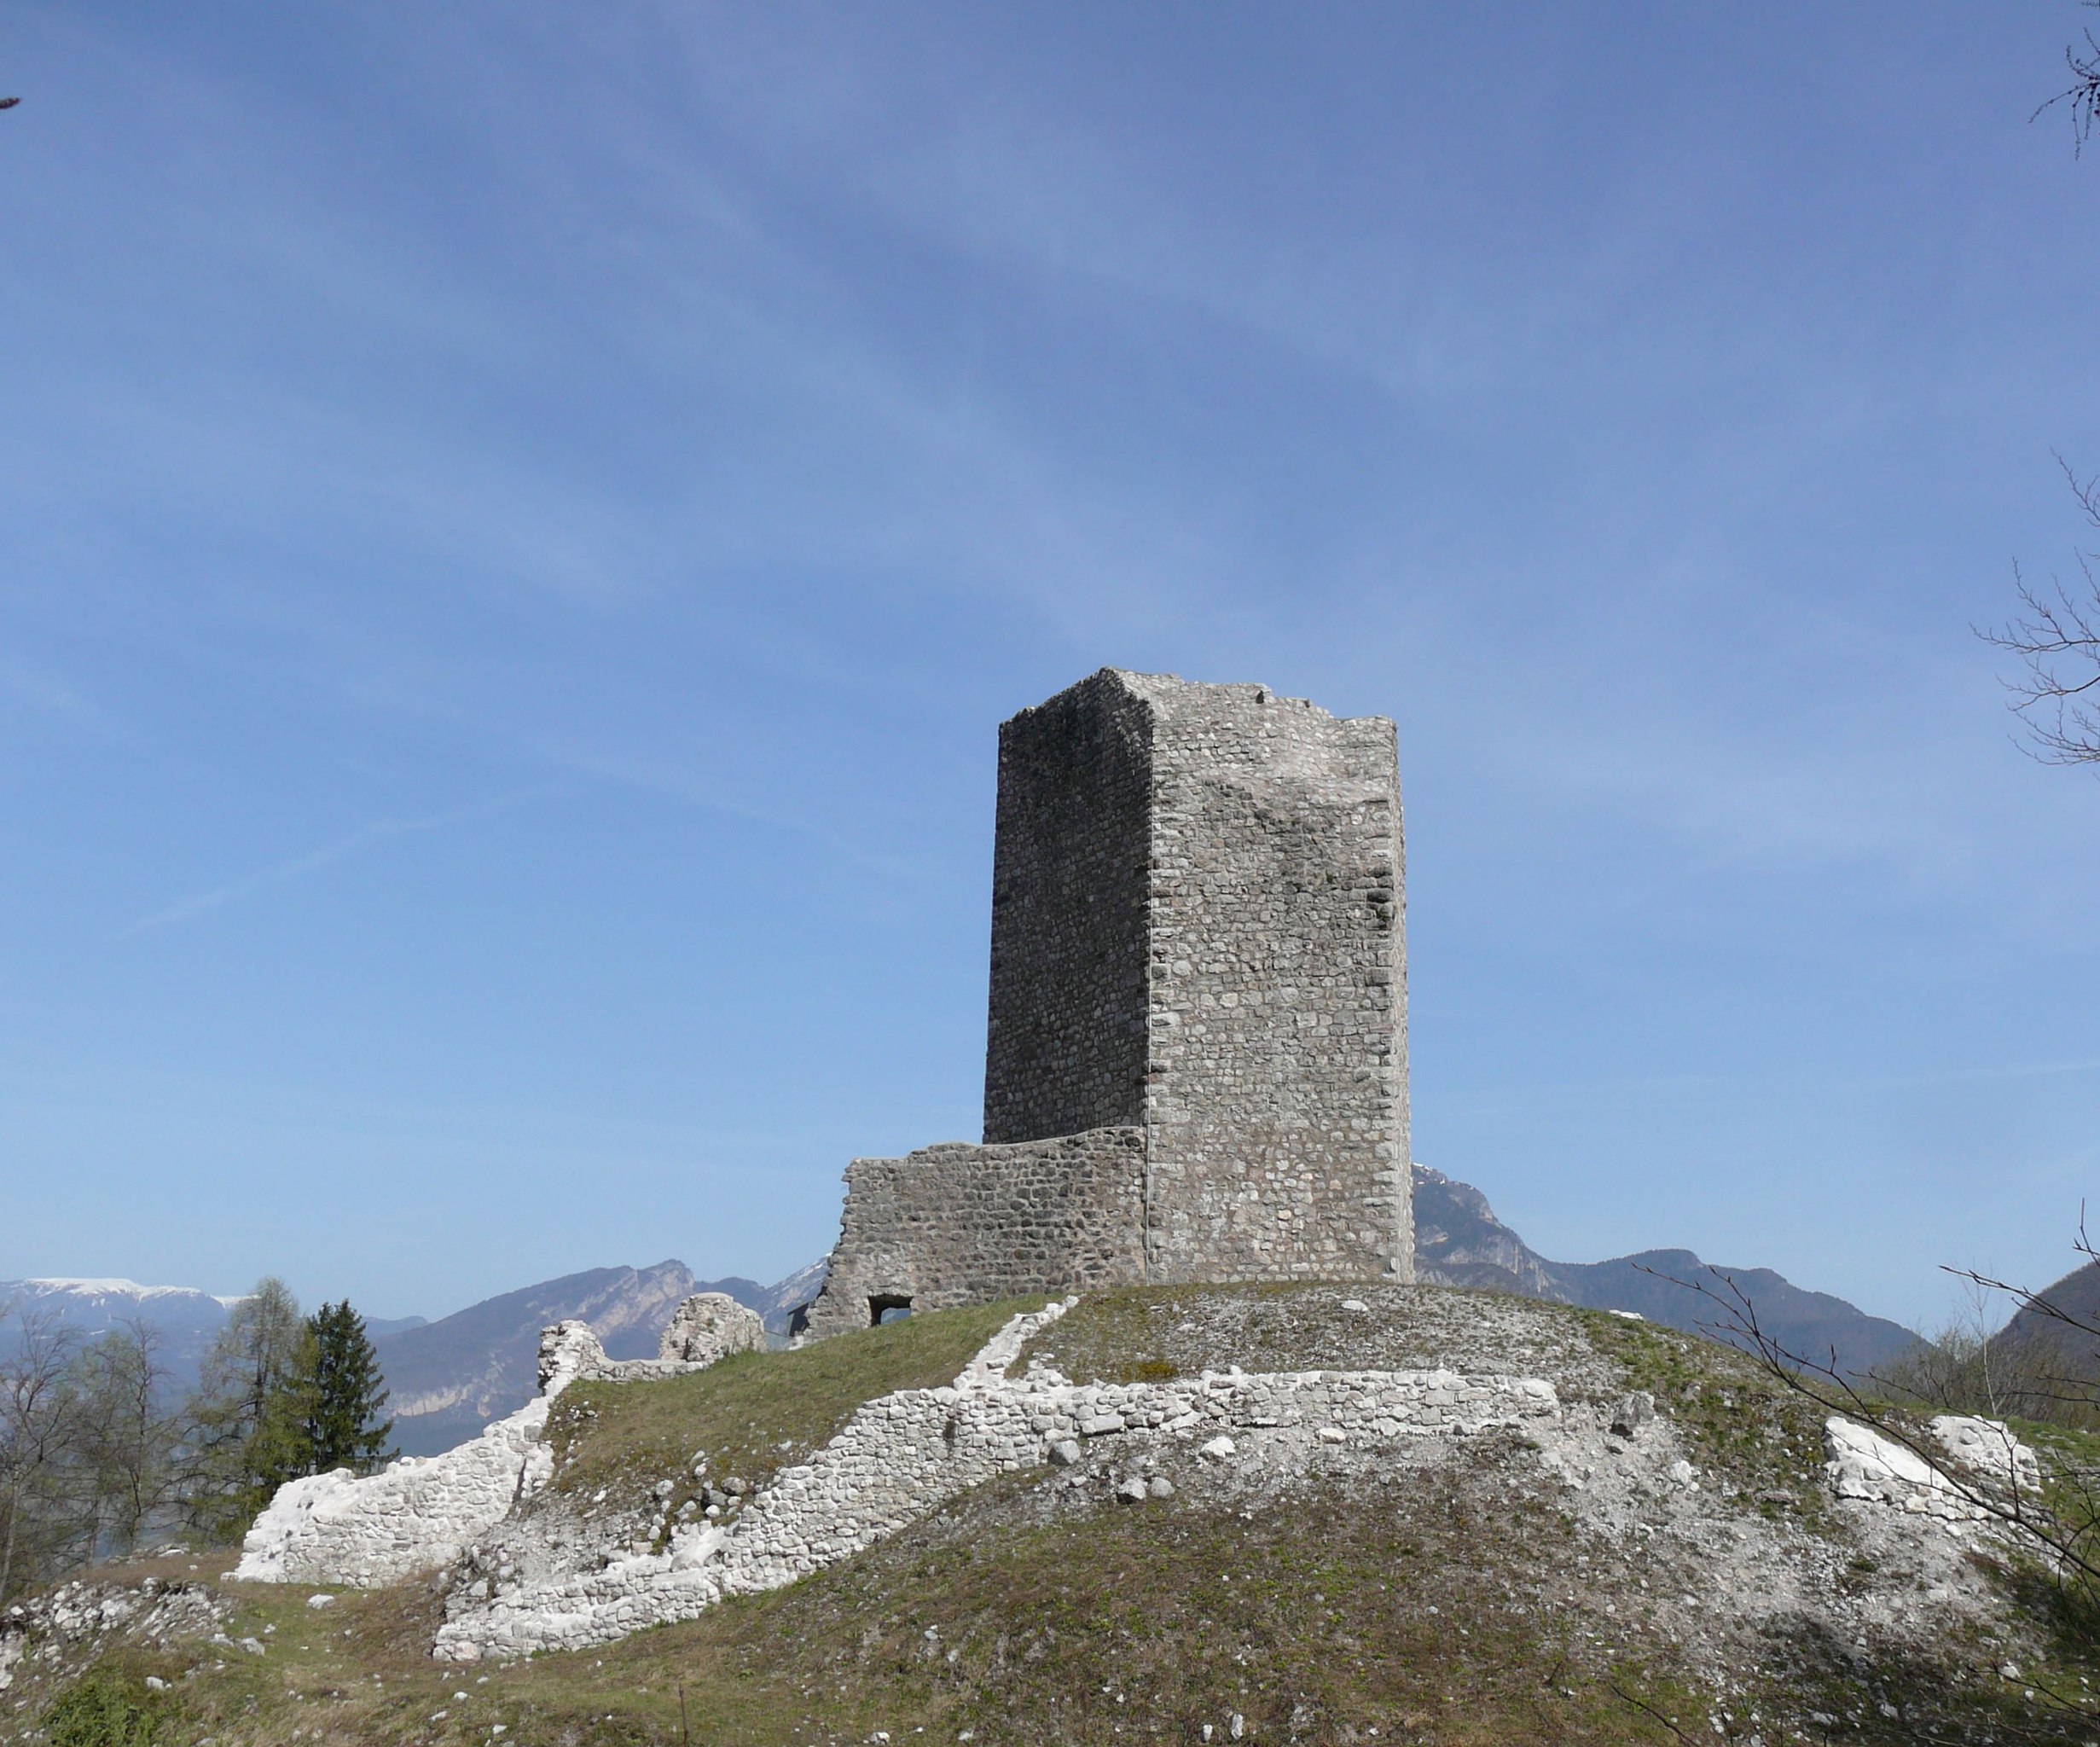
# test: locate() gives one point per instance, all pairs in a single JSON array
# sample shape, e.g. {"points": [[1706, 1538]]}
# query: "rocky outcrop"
{"points": [[1460, 1242], [1979, 1468]]}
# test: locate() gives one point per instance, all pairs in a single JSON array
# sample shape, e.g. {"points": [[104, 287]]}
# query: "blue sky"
{"points": [[517, 530]]}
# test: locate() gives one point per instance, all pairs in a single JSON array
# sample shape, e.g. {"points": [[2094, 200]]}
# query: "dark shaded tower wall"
{"points": [[1066, 1047]]}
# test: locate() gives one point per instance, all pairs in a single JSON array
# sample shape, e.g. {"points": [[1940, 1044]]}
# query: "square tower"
{"points": [[1198, 930], [1196, 1063]]}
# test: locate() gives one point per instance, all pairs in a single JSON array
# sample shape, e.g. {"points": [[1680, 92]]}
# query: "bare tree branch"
{"points": [[2081, 97], [2056, 638], [2069, 1540]]}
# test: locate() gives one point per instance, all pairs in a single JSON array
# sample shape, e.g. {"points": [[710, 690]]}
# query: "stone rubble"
{"points": [[152, 1611], [902, 1455], [711, 1326]]}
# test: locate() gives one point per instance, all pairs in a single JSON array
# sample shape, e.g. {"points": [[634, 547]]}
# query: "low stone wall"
{"points": [[962, 1224], [900, 1456], [419, 1513], [423, 1511]]}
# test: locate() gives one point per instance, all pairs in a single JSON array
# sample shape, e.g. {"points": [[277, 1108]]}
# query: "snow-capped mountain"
{"points": [[184, 1320]]}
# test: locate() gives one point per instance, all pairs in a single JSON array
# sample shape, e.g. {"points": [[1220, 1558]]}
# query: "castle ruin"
{"points": [[1195, 1066]]}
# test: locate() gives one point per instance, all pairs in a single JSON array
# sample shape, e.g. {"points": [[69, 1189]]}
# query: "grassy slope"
{"points": [[1457, 1605], [754, 1413], [1321, 1620]]}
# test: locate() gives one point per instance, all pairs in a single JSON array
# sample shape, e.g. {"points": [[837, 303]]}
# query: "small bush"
{"points": [[104, 1711]]}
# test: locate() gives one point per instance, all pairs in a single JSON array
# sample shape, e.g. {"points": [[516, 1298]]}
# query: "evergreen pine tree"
{"points": [[343, 1395]]}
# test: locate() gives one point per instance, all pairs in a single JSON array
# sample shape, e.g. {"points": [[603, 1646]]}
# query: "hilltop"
{"points": [[1495, 1543]]}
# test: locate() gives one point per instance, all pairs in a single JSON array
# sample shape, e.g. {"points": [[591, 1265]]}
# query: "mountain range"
{"points": [[451, 1377], [2052, 1342], [1460, 1242]]}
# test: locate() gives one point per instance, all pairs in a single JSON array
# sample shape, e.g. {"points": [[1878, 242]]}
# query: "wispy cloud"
{"points": [[366, 838], [44, 693]]}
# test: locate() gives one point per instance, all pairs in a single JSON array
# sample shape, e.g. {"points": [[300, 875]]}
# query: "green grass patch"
{"points": [[106, 1710], [752, 1413], [1739, 1423]]}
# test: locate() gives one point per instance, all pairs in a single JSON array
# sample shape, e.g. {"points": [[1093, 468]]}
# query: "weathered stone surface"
{"points": [[1984, 1463], [1276, 1080], [1989, 1449], [1066, 1047], [1196, 1054], [959, 1224], [421, 1511], [903, 1454], [1631, 1412], [710, 1326]]}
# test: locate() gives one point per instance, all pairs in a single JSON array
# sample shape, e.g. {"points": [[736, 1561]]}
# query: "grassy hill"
{"points": [[1691, 1581]]}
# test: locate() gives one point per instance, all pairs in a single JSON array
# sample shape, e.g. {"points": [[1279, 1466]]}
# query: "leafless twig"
{"points": [[2056, 637], [2082, 96]]}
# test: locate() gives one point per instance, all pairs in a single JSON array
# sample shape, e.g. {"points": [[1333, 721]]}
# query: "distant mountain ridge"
{"points": [[1460, 1242], [451, 1378], [186, 1321], [2054, 1351]]}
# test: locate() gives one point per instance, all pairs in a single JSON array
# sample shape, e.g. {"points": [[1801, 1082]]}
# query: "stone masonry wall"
{"points": [[1278, 1082], [904, 1454], [1198, 946], [421, 1511], [957, 1224], [1065, 1041]]}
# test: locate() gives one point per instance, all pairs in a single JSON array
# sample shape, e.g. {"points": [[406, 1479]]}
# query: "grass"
{"points": [[1455, 1603], [752, 1413], [1741, 1424], [1326, 1619], [1460, 1608], [1018, 1616]]}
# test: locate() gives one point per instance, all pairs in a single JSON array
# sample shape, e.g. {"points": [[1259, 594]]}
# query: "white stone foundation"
{"points": [[423, 1511], [900, 1456]]}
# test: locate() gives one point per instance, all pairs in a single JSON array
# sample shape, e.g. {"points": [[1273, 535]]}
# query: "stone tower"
{"points": [[1196, 1059]]}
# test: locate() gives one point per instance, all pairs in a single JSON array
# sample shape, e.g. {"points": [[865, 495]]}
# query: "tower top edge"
{"points": [[1165, 690]]}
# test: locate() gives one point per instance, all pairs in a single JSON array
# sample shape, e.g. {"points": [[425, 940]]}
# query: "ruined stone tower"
{"points": [[1195, 1062]]}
